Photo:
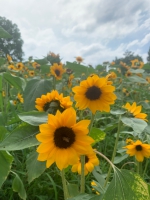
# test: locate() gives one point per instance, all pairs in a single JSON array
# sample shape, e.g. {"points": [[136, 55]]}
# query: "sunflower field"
{"points": [[74, 132]]}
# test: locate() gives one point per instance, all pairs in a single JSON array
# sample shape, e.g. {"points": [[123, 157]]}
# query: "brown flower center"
{"points": [[138, 147], [86, 159], [57, 72], [64, 137], [93, 93]]}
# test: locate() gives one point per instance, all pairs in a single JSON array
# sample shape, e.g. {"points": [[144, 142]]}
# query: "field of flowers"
{"points": [[73, 132]]}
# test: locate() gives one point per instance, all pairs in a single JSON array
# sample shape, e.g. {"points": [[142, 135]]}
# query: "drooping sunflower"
{"points": [[9, 58], [79, 59], [57, 70], [94, 93], [135, 111], [53, 101], [91, 161], [63, 139], [139, 150]]}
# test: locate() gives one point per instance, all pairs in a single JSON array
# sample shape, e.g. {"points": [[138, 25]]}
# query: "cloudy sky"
{"points": [[97, 30]]}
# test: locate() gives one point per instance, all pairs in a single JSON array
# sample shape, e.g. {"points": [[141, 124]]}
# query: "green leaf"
{"points": [[45, 69], [18, 187], [136, 79], [126, 185], [73, 189], [4, 34], [17, 82], [34, 167], [117, 112], [120, 158], [3, 132], [34, 118], [100, 180], [5, 165], [79, 69], [35, 89], [42, 62], [22, 137], [86, 197], [136, 71], [97, 134], [138, 125]]}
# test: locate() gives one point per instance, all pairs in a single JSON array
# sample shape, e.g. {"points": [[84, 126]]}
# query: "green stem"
{"points": [[146, 165], [91, 123], [139, 168], [54, 83], [114, 151], [1, 96], [82, 189], [66, 194]]}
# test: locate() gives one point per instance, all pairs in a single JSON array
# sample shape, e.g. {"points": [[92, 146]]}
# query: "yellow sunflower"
{"points": [[31, 73], [11, 67], [35, 65], [79, 59], [135, 111], [63, 139], [9, 58], [139, 150], [19, 66], [128, 73], [20, 98], [57, 70], [91, 160], [53, 101], [69, 82], [94, 93]]}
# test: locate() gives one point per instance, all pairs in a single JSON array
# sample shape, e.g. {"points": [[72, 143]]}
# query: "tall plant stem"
{"points": [[54, 83], [146, 165], [82, 188], [66, 194], [91, 123], [114, 151]]}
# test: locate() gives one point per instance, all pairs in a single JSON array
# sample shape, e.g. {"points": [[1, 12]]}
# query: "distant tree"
{"points": [[128, 56], [13, 45], [148, 57]]}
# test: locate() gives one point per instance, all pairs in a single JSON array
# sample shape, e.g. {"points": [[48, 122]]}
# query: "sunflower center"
{"points": [[57, 72], [138, 148], [93, 93], [86, 159], [46, 106], [64, 137]]}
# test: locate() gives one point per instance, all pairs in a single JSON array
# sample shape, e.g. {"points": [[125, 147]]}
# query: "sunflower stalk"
{"points": [[82, 189], [54, 83], [65, 189], [114, 151], [91, 123]]}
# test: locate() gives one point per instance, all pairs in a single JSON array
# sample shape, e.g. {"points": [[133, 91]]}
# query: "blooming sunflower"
{"points": [[139, 150], [57, 70], [94, 93], [53, 101], [91, 160], [63, 139], [31, 73], [11, 67], [135, 111], [19, 66], [35, 65]]}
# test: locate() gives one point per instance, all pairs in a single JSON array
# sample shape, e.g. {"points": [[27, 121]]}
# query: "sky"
{"points": [[96, 30]]}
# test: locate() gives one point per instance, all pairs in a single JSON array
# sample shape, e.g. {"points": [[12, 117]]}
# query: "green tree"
{"points": [[13, 45], [128, 56], [148, 57]]}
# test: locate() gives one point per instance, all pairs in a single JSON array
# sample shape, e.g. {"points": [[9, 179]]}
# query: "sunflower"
{"points": [[19, 66], [31, 73], [9, 58], [63, 139], [69, 82], [94, 93], [139, 150], [135, 111], [128, 73], [57, 70], [91, 160], [11, 67], [112, 75], [53, 101], [20, 98], [35, 65], [79, 59]]}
